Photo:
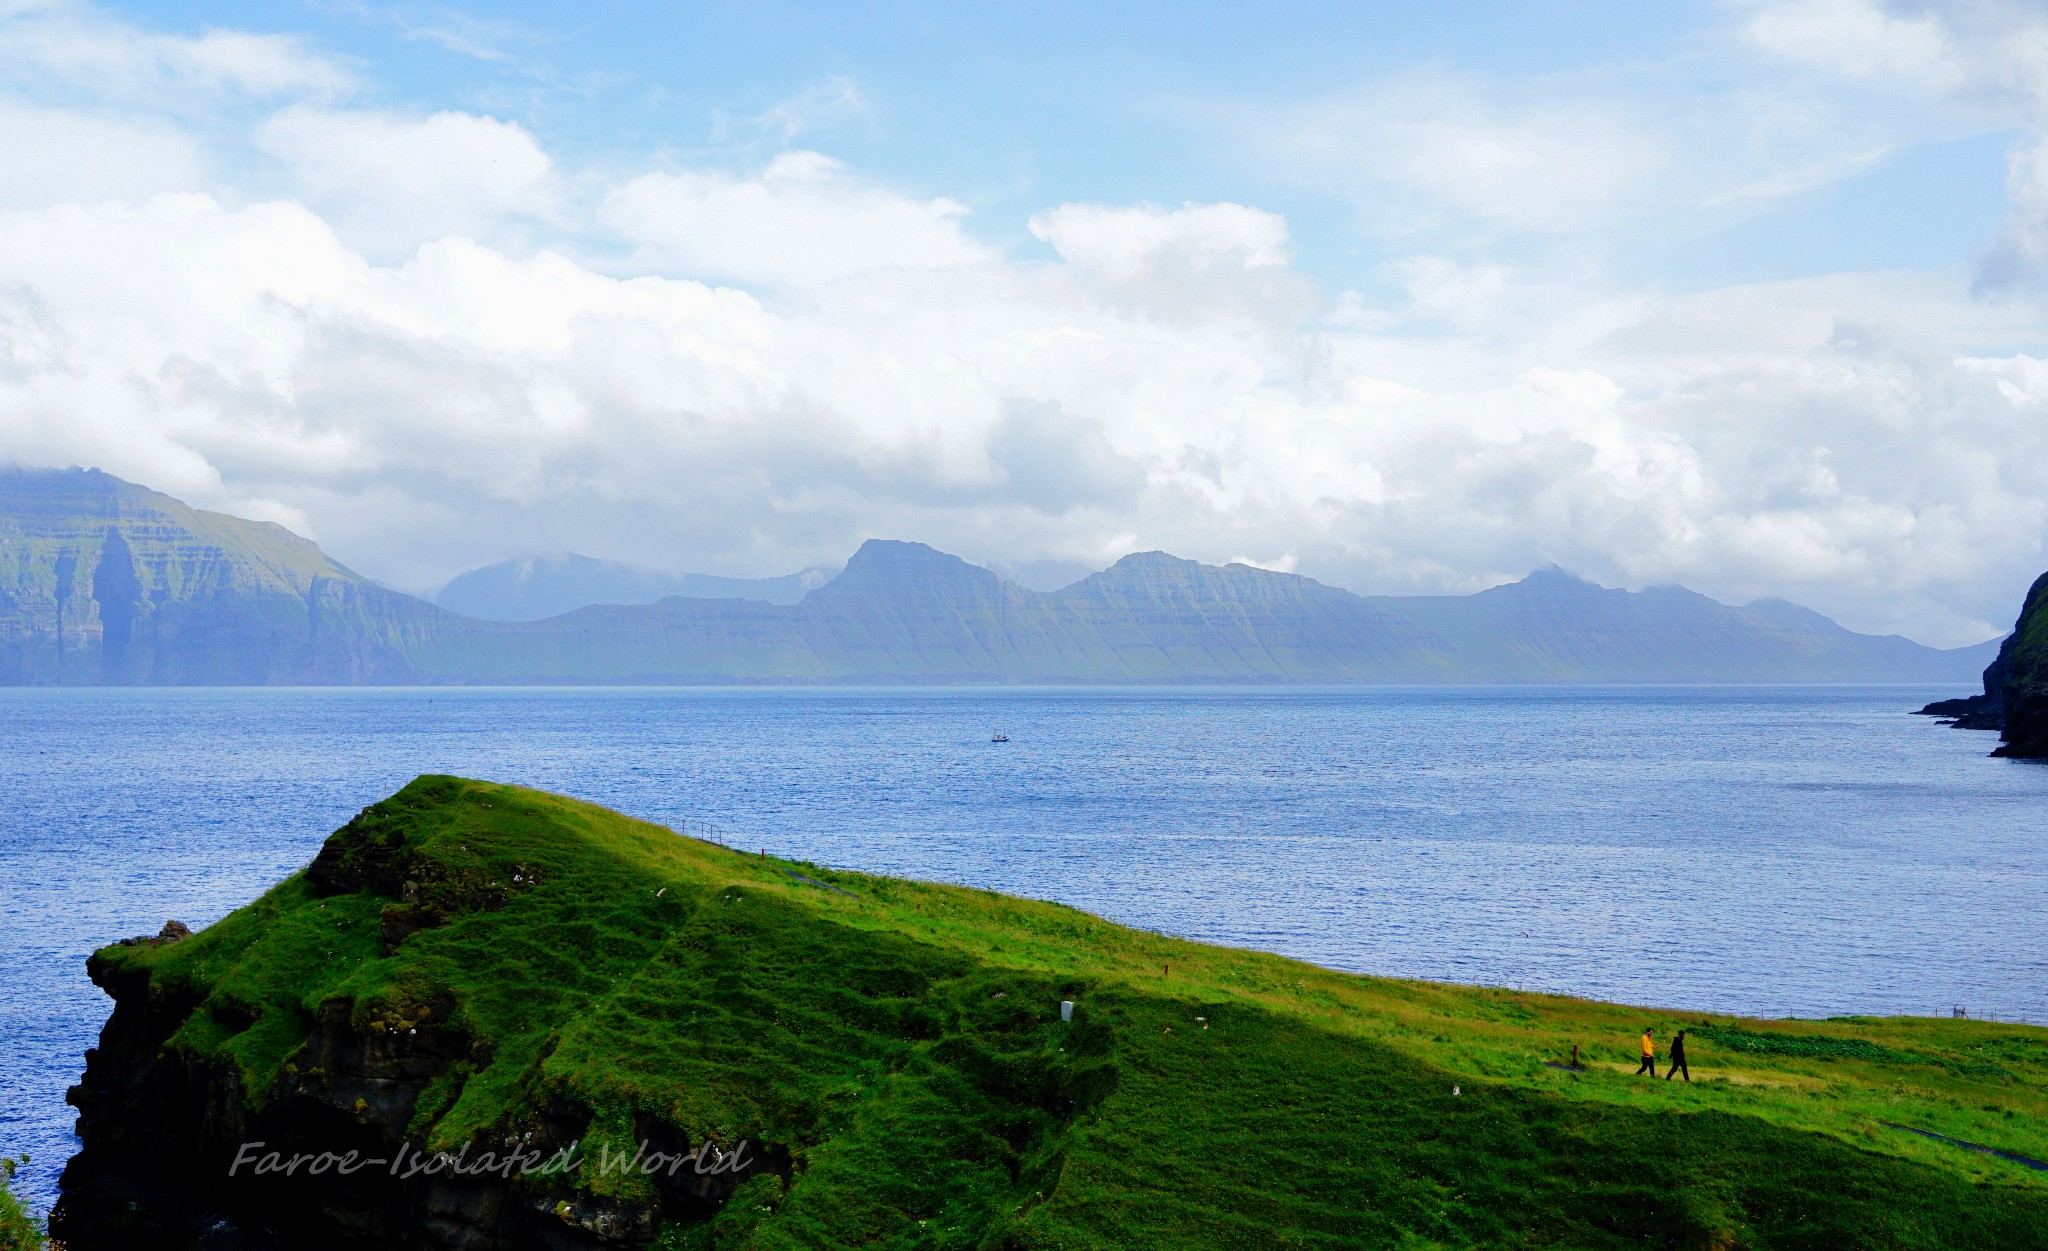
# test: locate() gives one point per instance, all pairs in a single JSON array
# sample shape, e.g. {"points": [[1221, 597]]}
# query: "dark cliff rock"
{"points": [[2025, 687], [2015, 697], [1979, 712], [164, 1122], [162, 1133]]}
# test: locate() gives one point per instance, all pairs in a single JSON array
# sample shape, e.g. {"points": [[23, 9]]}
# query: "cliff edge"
{"points": [[2015, 698]]}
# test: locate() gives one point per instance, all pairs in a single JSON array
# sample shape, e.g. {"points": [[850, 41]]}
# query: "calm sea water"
{"points": [[1808, 851]]}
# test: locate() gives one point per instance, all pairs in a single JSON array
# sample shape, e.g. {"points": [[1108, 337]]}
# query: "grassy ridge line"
{"points": [[1990, 1083], [902, 1042]]}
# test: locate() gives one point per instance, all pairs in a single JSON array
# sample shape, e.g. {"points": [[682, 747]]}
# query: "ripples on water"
{"points": [[1763, 851]]}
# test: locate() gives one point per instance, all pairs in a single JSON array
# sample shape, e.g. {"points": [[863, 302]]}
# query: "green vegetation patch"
{"points": [[1827, 1047], [1807, 1046], [898, 1048], [18, 1230]]}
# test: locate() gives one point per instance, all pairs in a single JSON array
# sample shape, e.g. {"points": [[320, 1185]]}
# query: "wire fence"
{"points": [[706, 831], [1952, 1011]]}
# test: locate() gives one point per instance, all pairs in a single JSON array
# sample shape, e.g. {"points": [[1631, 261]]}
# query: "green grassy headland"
{"points": [[903, 1040]]}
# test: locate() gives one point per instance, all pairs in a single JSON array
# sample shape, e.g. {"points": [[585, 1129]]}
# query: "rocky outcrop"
{"points": [[1979, 712], [2025, 689], [158, 1127], [162, 1135], [179, 1154], [2015, 697]]}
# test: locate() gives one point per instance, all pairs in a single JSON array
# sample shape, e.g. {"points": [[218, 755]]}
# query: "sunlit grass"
{"points": [[903, 1041]]}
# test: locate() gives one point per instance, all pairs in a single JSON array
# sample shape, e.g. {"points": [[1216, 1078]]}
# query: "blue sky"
{"points": [[1741, 295], [1011, 107]]}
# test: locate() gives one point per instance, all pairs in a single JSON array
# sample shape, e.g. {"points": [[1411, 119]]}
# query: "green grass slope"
{"points": [[901, 1043], [18, 1230]]}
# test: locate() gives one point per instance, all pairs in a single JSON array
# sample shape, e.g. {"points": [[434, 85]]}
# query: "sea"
{"points": [[1763, 851]]}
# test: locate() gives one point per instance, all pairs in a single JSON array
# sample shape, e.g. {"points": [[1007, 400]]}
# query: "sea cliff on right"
{"points": [[2015, 698]]}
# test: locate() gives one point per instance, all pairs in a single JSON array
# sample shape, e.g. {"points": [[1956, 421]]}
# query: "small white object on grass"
{"points": [[1456, 1091], [1066, 1009]]}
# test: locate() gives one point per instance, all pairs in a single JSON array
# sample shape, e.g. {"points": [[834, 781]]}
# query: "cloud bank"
{"points": [[431, 343]]}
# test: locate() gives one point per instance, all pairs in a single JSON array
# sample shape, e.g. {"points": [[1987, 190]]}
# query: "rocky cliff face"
{"points": [[2024, 692], [104, 582], [159, 1125], [2015, 698], [180, 1154]]}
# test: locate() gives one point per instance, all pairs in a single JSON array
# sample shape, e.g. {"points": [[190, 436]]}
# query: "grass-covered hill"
{"points": [[468, 963]]}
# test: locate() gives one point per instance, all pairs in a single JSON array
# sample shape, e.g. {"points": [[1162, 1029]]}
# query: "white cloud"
{"points": [[378, 353], [1985, 59], [1810, 438], [391, 182], [69, 46], [1195, 264], [493, 40], [1601, 162], [805, 219], [1123, 242], [1859, 38], [54, 155], [835, 99], [1428, 142]]}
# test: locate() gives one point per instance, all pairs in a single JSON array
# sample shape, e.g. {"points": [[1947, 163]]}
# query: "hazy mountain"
{"points": [[548, 586], [904, 612], [1554, 627], [102, 581]]}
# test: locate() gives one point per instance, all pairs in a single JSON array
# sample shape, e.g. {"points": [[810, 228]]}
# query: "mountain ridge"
{"points": [[534, 588], [106, 582]]}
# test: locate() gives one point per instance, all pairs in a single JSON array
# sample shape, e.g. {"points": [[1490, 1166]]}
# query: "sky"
{"points": [[1744, 296]]}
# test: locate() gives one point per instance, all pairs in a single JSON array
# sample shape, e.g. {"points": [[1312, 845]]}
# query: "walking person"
{"points": [[1649, 1064], [1678, 1064]]}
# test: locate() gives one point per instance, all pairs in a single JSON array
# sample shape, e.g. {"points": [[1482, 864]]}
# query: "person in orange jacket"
{"points": [[1649, 1064]]}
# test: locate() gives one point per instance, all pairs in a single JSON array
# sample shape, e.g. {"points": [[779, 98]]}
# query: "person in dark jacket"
{"points": [[1678, 1058]]}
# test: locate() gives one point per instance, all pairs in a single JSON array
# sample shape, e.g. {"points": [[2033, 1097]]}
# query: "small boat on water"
{"points": [[999, 737]]}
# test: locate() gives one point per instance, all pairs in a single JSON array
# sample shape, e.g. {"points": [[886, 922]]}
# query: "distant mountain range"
{"points": [[540, 587], [106, 582]]}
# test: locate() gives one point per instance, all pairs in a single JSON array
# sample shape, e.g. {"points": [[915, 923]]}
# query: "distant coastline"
{"points": [[115, 584]]}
